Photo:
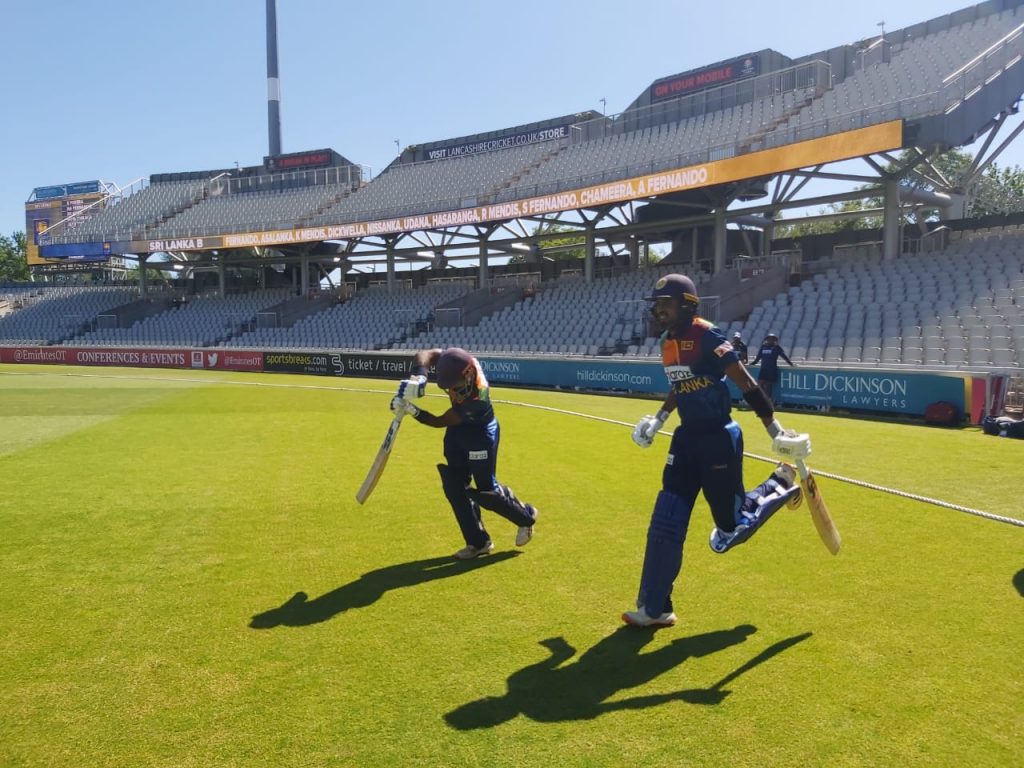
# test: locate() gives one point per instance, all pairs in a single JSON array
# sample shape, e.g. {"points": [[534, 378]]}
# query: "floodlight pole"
{"points": [[273, 82]]}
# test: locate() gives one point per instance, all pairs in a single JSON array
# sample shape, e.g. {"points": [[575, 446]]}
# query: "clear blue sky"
{"points": [[119, 89]]}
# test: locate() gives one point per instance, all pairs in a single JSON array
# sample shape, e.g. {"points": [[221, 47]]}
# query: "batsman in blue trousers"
{"points": [[471, 438], [706, 453]]}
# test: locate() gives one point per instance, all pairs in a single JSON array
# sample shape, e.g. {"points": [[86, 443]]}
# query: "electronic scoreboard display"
{"points": [[59, 209]]}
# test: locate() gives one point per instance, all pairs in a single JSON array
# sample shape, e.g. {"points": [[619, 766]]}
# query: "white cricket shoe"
{"points": [[639, 618], [468, 552], [525, 532], [720, 540], [784, 475]]}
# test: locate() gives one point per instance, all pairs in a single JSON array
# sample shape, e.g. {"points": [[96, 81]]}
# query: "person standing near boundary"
{"points": [[740, 347], [706, 453], [470, 446], [768, 356]]}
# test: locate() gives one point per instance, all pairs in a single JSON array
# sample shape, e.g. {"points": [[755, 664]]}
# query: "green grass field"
{"points": [[188, 581]]}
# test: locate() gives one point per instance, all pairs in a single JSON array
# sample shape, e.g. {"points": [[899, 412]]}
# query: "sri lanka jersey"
{"points": [[695, 364]]}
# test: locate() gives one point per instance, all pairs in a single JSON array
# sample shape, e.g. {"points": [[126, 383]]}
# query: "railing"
{"points": [[447, 316], [978, 72], [463, 280], [351, 175], [515, 279], [110, 198], [934, 241], [868, 249], [814, 76], [1014, 403], [710, 307]]}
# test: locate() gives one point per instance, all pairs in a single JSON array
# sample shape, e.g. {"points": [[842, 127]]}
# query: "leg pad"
{"points": [[467, 512], [504, 502], [664, 555]]}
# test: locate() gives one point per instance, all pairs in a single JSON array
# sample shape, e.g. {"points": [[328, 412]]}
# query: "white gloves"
{"points": [[792, 445], [409, 389], [647, 428], [403, 407], [412, 388]]}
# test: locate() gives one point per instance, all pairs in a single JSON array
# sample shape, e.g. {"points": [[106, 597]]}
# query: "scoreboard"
{"points": [[48, 206]]}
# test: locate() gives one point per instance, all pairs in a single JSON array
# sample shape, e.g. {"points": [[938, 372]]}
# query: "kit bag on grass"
{"points": [[942, 413], [1003, 426]]}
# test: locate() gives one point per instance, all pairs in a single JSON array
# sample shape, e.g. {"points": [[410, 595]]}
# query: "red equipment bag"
{"points": [[942, 413]]}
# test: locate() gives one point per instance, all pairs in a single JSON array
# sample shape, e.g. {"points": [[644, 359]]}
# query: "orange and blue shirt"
{"points": [[695, 363]]}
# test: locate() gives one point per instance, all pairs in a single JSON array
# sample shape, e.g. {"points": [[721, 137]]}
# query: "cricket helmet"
{"points": [[455, 370], [676, 287], [680, 288]]}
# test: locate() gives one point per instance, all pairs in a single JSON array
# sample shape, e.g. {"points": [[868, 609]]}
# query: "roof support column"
{"points": [[304, 289], [222, 283], [957, 208], [891, 223], [588, 254], [483, 276], [143, 287], [767, 237], [390, 248], [720, 241]]}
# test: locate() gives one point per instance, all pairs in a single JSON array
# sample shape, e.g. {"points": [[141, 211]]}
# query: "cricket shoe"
{"points": [[784, 475], [525, 532], [639, 618], [720, 541], [468, 552]]}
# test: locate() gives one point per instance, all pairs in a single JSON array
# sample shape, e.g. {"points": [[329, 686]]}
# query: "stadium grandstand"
{"points": [[471, 232]]}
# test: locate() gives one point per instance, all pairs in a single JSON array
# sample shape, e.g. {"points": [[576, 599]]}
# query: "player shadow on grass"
{"points": [[547, 692], [300, 611], [1018, 581]]}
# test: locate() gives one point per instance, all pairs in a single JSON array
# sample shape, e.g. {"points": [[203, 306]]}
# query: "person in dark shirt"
{"points": [[706, 453], [768, 356], [470, 446], [739, 347]]}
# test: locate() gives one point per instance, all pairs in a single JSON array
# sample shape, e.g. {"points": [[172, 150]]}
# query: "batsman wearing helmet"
{"points": [[706, 453], [470, 446]]}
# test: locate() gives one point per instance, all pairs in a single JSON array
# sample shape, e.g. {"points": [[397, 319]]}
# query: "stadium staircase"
{"points": [[309, 218], [129, 314], [754, 139], [289, 312], [524, 173], [148, 229]]}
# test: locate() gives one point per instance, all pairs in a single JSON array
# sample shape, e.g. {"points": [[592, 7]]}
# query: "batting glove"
{"points": [[412, 388], [401, 406], [791, 445], [647, 428]]}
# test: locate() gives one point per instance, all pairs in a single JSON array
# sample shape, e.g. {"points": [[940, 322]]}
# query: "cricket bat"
{"points": [[819, 512], [377, 469]]}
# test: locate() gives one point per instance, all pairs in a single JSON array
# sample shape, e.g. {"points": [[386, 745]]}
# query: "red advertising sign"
{"points": [[699, 80]]}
